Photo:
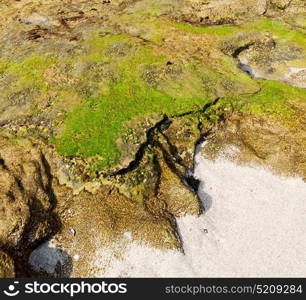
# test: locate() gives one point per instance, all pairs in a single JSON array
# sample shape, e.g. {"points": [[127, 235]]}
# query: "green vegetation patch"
{"points": [[214, 29], [92, 128], [30, 70], [275, 100], [278, 29]]}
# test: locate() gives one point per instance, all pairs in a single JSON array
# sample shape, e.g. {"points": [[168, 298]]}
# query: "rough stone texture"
{"points": [[27, 198], [7, 269], [249, 139], [178, 199], [218, 12], [47, 196], [287, 6], [36, 207], [275, 62]]}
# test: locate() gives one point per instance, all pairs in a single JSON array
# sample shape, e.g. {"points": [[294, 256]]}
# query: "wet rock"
{"points": [[51, 261], [283, 63], [261, 57], [239, 43]]}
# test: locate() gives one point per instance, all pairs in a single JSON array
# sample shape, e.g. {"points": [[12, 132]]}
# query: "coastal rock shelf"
{"points": [[103, 106]]}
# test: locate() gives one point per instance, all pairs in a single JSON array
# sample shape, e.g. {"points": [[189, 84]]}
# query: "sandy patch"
{"points": [[255, 225]]}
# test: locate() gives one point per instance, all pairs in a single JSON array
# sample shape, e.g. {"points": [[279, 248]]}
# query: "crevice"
{"points": [[3, 165], [32, 236], [151, 134], [237, 51], [161, 125]]}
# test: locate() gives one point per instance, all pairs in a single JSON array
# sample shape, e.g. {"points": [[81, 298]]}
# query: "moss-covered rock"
{"points": [[102, 104]]}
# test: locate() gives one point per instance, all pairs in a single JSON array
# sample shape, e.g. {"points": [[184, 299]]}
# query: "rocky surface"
{"points": [[219, 12], [254, 140], [7, 268], [103, 103]]}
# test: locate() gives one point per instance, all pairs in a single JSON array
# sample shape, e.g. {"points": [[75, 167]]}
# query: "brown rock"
{"points": [[218, 12], [7, 269], [261, 141], [26, 197]]}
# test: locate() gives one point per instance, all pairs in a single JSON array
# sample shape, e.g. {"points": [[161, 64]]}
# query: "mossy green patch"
{"points": [[275, 100], [100, 41], [215, 30], [279, 30], [3, 66], [30, 71], [93, 127]]}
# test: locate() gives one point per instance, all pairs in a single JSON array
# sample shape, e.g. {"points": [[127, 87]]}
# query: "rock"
{"points": [[282, 63], [257, 140], [7, 269], [261, 57], [218, 12], [235, 45], [135, 135], [26, 197], [296, 77], [101, 222], [102, 104], [288, 6], [40, 20], [281, 4], [176, 193]]}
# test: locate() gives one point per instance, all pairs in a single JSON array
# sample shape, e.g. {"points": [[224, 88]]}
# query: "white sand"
{"points": [[255, 225]]}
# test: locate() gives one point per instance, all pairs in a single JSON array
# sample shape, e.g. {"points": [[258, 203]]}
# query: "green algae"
{"points": [[279, 30], [275, 99], [30, 71], [214, 29], [100, 108], [93, 127]]}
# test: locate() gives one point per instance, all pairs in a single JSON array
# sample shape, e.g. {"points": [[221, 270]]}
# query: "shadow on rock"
{"points": [[27, 216], [205, 198], [50, 261]]}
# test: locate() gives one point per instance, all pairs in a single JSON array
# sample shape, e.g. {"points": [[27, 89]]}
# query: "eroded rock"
{"points": [[7, 269], [256, 140], [58, 62], [218, 12], [27, 198]]}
